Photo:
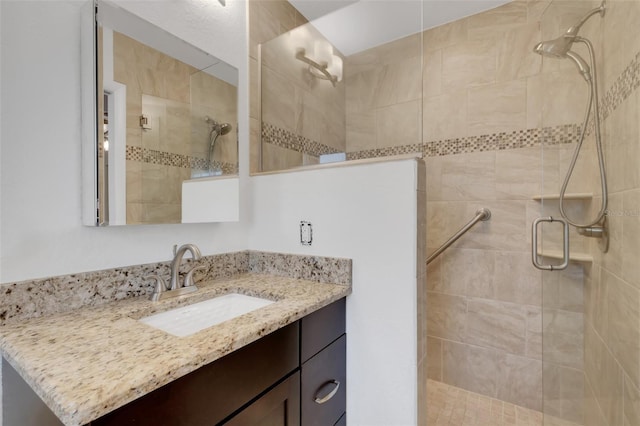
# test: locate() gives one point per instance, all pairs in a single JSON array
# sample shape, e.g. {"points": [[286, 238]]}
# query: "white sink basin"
{"points": [[190, 319]]}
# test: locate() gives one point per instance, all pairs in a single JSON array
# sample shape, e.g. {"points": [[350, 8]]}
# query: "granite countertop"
{"points": [[88, 362]]}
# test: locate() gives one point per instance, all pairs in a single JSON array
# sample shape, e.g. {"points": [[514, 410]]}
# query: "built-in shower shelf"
{"points": [[567, 196], [557, 254]]}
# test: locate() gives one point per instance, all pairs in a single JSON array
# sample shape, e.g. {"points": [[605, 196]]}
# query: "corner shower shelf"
{"points": [[557, 254], [567, 196]]}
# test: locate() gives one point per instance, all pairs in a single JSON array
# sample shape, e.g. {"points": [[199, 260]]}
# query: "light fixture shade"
{"points": [[335, 67], [322, 52]]}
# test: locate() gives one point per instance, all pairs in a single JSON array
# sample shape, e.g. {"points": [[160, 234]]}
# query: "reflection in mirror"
{"points": [[168, 115], [328, 95], [301, 65]]}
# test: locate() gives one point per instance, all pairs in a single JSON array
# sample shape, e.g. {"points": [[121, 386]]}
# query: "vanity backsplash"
{"points": [[34, 298]]}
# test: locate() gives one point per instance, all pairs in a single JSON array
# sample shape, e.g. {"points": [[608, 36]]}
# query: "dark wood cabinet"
{"points": [[215, 392], [278, 407], [295, 376], [320, 328], [324, 384]]}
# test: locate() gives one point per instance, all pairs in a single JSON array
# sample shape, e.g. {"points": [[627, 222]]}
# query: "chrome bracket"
{"points": [[565, 244], [598, 231]]}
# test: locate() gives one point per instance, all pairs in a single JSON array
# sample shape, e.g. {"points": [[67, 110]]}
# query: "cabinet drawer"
{"points": [[321, 375], [321, 328]]}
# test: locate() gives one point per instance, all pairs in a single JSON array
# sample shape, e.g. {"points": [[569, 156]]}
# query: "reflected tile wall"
{"points": [[176, 100]]}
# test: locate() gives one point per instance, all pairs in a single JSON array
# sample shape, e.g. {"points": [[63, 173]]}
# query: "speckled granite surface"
{"points": [[313, 268], [34, 298], [87, 362]]}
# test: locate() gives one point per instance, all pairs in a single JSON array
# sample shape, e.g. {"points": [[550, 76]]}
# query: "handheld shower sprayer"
{"points": [[217, 129], [560, 48]]}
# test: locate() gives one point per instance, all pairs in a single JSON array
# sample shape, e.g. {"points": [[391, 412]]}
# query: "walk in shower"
{"points": [[508, 129], [590, 311]]}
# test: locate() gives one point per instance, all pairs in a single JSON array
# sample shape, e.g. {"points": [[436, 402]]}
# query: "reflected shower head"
{"points": [[220, 129], [224, 128]]}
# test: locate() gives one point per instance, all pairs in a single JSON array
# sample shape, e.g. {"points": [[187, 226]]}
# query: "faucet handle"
{"points": [[161, 286], [188, 280]]}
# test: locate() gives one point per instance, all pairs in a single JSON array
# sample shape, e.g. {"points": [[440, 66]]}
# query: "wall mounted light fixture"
{"points": [[325, 66]]}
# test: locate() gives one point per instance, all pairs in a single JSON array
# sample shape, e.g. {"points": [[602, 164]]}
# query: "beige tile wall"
{"points": [[383, 95], [485, 298], [612, 285], [485, 313]]}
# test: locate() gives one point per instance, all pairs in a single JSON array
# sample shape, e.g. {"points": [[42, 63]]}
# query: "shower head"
{"points": [[561, 47], [558, 48], [220, 129]]}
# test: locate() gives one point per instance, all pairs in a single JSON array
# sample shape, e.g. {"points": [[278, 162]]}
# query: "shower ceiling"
{"points": [[339, 20]]}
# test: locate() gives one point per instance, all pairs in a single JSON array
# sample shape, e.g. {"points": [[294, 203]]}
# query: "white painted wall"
{"points": [[367, 213], [40, 229]]}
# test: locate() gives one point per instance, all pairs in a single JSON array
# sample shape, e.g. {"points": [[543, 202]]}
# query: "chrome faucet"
{"points": [[178, 253]]}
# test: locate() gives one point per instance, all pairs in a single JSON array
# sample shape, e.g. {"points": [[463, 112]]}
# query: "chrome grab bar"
{"points": [[481, 215]]}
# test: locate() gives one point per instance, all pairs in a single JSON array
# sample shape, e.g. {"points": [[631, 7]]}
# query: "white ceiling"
{"points": [[353, 26]]}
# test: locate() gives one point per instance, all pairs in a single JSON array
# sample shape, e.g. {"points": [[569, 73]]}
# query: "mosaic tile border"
{"points": [[286, 139], [46, 296], [493, 142], [152, 156], [626, 83]]}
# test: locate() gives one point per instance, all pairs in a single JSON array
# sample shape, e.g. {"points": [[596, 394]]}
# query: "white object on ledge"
{"points": [[333, 158], [214, 199]]}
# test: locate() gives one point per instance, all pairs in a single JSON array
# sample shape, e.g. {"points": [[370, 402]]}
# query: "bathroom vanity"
{"points": [[293, 376], [283, 363]]}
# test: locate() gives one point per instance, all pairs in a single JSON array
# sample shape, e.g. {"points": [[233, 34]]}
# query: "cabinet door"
{"points": [[278, 407], [214, 392], [324, 385]]}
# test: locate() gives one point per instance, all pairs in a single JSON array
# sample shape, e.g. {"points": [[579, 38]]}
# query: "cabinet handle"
{"points": [[328, 396]]}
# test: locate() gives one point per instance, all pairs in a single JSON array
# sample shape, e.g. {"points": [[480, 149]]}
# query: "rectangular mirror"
{"points": [[165, 118]]}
